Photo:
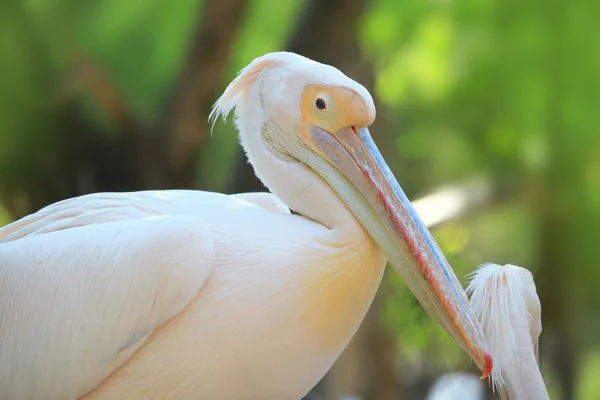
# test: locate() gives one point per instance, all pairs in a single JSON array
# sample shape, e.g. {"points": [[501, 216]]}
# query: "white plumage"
{"points": [[117, 265], [193, 295], [506, 303]]}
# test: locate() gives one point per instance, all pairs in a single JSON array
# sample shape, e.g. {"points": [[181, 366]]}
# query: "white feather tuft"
{"points": [[498, 300], [240, 85]]}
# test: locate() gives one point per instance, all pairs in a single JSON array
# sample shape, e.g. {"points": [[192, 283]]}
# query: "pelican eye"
{"points": [[320, 103]]}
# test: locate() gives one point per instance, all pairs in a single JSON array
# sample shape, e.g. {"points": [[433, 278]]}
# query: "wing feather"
{"points": [[267, 201], [98, 208], [79, 299], [90, 209]]}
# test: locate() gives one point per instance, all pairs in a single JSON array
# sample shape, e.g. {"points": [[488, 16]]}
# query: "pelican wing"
{"points": [[84, 282], [267, 201], [97, 208]]}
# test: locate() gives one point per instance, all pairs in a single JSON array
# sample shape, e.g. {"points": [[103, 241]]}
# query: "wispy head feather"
{"points": [[240, 85], [498, 300]]}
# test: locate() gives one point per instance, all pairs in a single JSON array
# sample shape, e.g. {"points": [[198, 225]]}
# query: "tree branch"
{"points": [[88, 75], [184, 123]]}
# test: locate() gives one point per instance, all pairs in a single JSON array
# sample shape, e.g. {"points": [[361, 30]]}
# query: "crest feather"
{"points": [[240, 85], [497, 298]]}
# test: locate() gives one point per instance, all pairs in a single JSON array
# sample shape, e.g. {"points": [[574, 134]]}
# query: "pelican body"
{"points": [[196, 295], [506, 303]]}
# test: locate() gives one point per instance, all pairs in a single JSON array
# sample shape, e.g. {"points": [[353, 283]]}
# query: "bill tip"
{"points": [[487, 369]]}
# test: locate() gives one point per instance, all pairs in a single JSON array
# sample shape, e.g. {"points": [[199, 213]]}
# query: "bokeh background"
{"points": [[488, 114]]}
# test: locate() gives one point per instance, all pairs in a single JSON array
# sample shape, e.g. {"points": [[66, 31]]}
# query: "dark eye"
{"points": [[320, 103]]}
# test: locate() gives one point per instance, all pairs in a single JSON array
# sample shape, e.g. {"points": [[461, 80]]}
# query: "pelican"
{"points": [[194, 295], [508, 308]]}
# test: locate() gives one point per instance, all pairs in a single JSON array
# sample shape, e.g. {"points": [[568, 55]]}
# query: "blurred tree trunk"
{"points": [[561, 218], [165, 156], [554, 191], [185, 121], [559, 304]]}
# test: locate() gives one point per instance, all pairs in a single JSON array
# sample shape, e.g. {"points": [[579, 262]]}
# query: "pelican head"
{"points": [[314, 119]]}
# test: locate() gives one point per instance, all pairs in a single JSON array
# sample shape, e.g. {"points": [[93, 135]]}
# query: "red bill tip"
{"points": [[487, 369]]}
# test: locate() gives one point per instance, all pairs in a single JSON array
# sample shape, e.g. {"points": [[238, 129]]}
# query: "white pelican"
{"points": [[195, 295], [509, 311]]}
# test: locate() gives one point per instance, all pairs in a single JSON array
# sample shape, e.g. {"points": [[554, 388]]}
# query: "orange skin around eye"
{"points": [[344, 108]]}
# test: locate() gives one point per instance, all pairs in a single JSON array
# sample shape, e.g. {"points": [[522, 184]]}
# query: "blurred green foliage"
{"points": [[508, 88]]}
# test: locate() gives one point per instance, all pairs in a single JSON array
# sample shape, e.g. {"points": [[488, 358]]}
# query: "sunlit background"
{"points": [[488, 114]]}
